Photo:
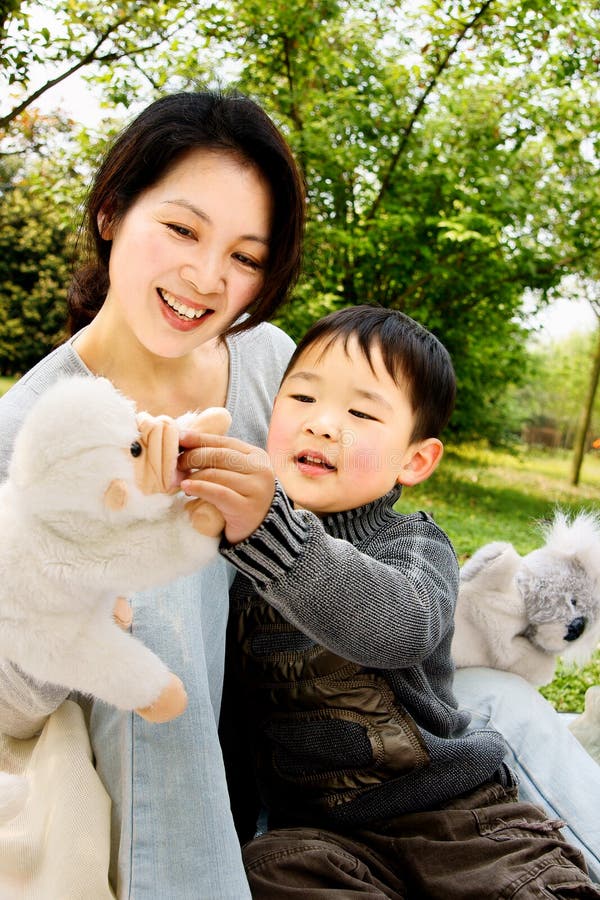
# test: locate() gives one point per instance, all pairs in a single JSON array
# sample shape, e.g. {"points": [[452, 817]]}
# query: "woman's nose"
{"points": [[207, 276]]}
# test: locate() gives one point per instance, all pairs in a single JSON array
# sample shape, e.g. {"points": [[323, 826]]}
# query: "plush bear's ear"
{"points": [[115, 495]]}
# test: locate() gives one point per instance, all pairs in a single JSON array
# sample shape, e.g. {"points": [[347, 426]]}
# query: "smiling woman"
{"points": [[194, 228], [184, 263]]}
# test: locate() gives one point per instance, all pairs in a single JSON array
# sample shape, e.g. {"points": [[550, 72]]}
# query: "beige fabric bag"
{"points": [[58, 847]]}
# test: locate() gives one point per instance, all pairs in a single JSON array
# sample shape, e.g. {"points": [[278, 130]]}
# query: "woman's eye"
{"points": [[247, 261], [181, 230], [361, 415]]}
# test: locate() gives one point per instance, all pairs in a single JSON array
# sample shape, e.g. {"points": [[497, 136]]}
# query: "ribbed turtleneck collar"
{"points": [[355, 525]]}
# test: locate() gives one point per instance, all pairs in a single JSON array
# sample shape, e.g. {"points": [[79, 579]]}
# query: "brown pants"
{"points": [[485, 846]]}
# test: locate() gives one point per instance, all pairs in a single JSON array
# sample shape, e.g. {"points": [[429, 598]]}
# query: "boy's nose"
{"points": [[322, 428]]}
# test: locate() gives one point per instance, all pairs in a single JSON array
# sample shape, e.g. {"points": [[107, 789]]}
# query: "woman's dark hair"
{"points": [[412, 356], [155, 141]]}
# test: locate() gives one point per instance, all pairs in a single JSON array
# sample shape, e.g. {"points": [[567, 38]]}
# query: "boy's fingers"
{"points": [[192, 439], [224, 458], [237, 483]]}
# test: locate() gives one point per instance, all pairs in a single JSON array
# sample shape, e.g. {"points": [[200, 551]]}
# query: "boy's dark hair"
{"points": [[413, 357], [145, 151]]}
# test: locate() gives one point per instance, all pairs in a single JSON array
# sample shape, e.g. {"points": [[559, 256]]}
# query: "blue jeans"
{"points": [[172, 832], [554, 770]]}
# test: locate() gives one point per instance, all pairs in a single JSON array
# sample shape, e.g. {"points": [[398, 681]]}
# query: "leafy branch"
{"points": [[420, 105]]}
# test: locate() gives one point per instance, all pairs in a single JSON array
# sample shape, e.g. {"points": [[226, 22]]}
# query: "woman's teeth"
{"points": [[187, 312]]}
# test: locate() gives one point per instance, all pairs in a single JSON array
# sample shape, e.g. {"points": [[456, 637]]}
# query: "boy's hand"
{"points": [[234, 476]]}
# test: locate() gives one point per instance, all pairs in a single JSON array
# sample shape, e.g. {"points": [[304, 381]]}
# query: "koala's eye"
{"points": [[136, 449]]}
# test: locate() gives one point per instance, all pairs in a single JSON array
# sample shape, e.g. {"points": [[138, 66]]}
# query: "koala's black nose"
{"points": [[575, 629]]}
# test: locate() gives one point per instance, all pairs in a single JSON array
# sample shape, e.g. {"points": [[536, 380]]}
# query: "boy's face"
{"points": [[340, 431]]}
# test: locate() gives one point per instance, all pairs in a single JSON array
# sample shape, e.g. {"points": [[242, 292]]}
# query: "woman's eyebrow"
{"points": [[191, 207]]}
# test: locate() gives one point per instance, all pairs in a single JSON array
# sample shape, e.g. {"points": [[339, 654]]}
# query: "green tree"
{"points": [[592, 294], [559, 375], [35, 245], [449, 148], [444, 164], [122, 44]]}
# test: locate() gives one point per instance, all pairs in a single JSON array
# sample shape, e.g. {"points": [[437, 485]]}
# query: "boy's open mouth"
{"points": [[188, 313], [308, 459]]}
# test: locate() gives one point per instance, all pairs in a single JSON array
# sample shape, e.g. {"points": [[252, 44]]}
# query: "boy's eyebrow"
{"points": [[206, 218], [308, 376], [365, 395]]}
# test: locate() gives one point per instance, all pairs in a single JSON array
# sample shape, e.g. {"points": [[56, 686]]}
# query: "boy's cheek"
{"points": [[362, 460], [277, 448]]}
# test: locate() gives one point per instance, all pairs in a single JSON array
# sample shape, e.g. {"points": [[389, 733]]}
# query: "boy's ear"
{"points": [[421, 461]]}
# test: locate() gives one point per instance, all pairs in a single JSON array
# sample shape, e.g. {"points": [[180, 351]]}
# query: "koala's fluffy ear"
{"points": [[494, 562], [214, 420]]}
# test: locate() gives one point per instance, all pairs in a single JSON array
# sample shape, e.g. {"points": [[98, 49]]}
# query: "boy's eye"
{"points": [[361, 415], [181, 230], [302, 398]]}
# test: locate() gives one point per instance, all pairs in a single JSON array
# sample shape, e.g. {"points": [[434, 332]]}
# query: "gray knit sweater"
{"points": [[345, 673]]}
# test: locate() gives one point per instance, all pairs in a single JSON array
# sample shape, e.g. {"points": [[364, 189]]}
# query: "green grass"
{"points": [[5, 383], [480, 495]]}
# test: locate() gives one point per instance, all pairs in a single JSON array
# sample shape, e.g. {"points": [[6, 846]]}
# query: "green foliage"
{"points": [[34, 247], [450, 149], [445, 178], [558, 379], [567, 690]]}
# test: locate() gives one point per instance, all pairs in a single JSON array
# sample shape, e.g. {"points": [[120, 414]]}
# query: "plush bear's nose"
{"points": [[575, 629]]}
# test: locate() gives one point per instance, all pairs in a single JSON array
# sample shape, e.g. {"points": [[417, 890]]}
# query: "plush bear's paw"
{"points": [[168, 705], [205, 517], [123, 613]]}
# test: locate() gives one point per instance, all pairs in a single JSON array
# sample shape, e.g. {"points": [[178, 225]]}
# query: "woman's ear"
{"points": [[105, 225], [423, 458]]}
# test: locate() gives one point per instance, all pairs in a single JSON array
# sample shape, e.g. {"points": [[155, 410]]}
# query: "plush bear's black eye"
{"points": [[136, 449]]}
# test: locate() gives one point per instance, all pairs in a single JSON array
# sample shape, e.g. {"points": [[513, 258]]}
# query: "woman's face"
{"points": [[189, 256]]}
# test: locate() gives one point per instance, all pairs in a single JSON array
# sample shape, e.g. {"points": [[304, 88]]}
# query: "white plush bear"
{"points": [[519, 613], [92, 511]]}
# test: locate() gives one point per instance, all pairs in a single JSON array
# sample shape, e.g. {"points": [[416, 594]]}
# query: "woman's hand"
{"points": [[234, 476]]}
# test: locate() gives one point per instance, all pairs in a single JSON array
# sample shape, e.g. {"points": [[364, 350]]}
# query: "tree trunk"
{"points": [[586, 415]]}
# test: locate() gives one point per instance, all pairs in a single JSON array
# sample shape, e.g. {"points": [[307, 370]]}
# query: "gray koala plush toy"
{"points": [[520, 613]]}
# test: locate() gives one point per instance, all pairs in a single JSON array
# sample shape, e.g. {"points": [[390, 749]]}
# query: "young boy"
{"points": [[340, 632]]}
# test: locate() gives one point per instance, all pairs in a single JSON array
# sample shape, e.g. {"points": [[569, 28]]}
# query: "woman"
{"points": [[194, 219]]}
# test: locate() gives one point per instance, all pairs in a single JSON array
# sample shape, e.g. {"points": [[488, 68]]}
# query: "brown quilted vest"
{"points": [[325, 730]]}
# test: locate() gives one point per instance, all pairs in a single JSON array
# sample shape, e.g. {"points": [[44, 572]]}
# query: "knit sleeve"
{"points": [[388, 605]]}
